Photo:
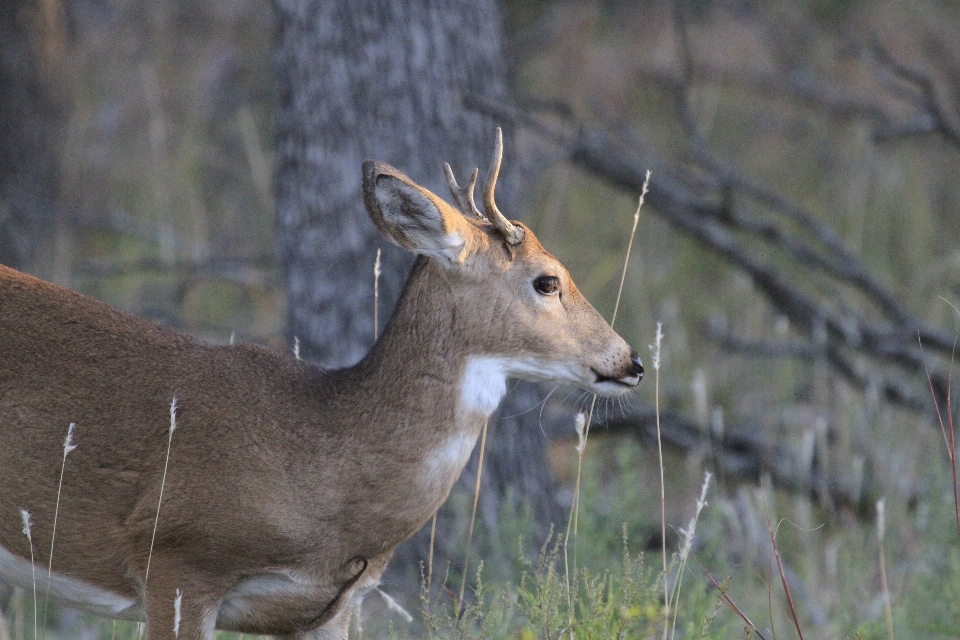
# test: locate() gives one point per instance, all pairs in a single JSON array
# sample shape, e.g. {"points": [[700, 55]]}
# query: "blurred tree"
{"points": [[31, 122], [384, 80]]}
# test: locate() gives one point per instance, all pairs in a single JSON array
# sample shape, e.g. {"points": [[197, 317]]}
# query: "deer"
{"points": [[285, 487]]}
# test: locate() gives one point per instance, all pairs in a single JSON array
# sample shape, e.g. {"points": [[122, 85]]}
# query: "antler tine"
{"points": [[510, 231], [464, 196]]}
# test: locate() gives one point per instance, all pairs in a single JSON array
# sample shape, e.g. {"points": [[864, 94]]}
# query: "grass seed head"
{"points": [[68, 445], [25, 516]]}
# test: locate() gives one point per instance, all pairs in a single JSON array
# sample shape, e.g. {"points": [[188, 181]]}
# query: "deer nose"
{"points": [[637, 365]]}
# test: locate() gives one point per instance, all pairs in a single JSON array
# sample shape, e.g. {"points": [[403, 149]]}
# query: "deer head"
{"points": [[520, 311]]}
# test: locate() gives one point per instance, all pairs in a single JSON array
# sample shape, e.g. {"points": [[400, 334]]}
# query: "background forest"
{"points": [[798, 245]]}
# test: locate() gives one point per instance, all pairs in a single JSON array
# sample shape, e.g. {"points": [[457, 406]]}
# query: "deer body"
{"points": [[288, 487]]}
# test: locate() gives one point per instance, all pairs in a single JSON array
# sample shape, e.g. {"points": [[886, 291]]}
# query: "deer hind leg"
{"points": [[180, 604]]}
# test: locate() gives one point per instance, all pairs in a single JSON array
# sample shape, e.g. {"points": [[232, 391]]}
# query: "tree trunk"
{"points": [[32, 40], [385, 80]]}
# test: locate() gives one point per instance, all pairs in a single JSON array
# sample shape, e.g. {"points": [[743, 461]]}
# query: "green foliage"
{"points": [[625, 602], [933, 603]]}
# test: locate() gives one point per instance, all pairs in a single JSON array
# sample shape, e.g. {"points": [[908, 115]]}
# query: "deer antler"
{"points": [[464, 196], [511, 232]]}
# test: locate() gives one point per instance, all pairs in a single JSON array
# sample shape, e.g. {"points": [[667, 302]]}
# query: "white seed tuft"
{"points": [[580, 424], [173, 415], [881, 518], [655, 347], [68, 445], [25, 516], [690, 529], [176, 614]]}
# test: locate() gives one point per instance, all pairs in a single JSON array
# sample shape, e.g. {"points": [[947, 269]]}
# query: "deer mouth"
{"points": [[627, 383]]}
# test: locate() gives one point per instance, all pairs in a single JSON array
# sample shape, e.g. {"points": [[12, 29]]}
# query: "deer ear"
{"points": [[413, 217]]}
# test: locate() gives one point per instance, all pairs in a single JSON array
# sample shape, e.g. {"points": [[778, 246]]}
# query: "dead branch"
{"points": [[745, 454]]}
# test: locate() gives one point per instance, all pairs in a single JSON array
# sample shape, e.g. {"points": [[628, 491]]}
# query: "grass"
{"points": [[623, 600]]}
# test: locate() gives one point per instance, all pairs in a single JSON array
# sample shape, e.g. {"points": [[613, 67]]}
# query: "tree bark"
{"points": [[381, 80], [385, 79]]}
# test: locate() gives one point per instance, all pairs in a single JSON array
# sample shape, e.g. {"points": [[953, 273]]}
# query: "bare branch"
{"points": [[934, 116], [744, 453]]}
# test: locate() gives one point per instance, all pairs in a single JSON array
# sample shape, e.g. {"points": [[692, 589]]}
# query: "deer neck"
{"points": [[432, 395], [425, 357]]}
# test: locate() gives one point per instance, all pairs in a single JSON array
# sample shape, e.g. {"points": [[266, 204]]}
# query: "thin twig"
{"points": [[729, 602], [783, 576]]}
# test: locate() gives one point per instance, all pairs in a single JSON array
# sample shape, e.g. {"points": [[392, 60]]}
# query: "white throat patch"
{"points": [[485, 378], [484, 384]]}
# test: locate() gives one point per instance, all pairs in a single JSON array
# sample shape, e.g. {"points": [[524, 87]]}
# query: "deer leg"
{"points": [[180, 604], [337, 628]]}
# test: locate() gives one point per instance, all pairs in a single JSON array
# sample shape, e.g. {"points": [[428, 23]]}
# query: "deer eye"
{"points": [[547, 285]]}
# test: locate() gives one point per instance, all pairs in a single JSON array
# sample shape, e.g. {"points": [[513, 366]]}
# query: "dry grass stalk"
{"points": [[655, 354], [725, 598], [163, 480], [947, 430], [473, 517], [68, 446], [783, 576], [433, 536], [25, 516], [881, 526], [575, 505], [376, 296], [687, 532]]}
